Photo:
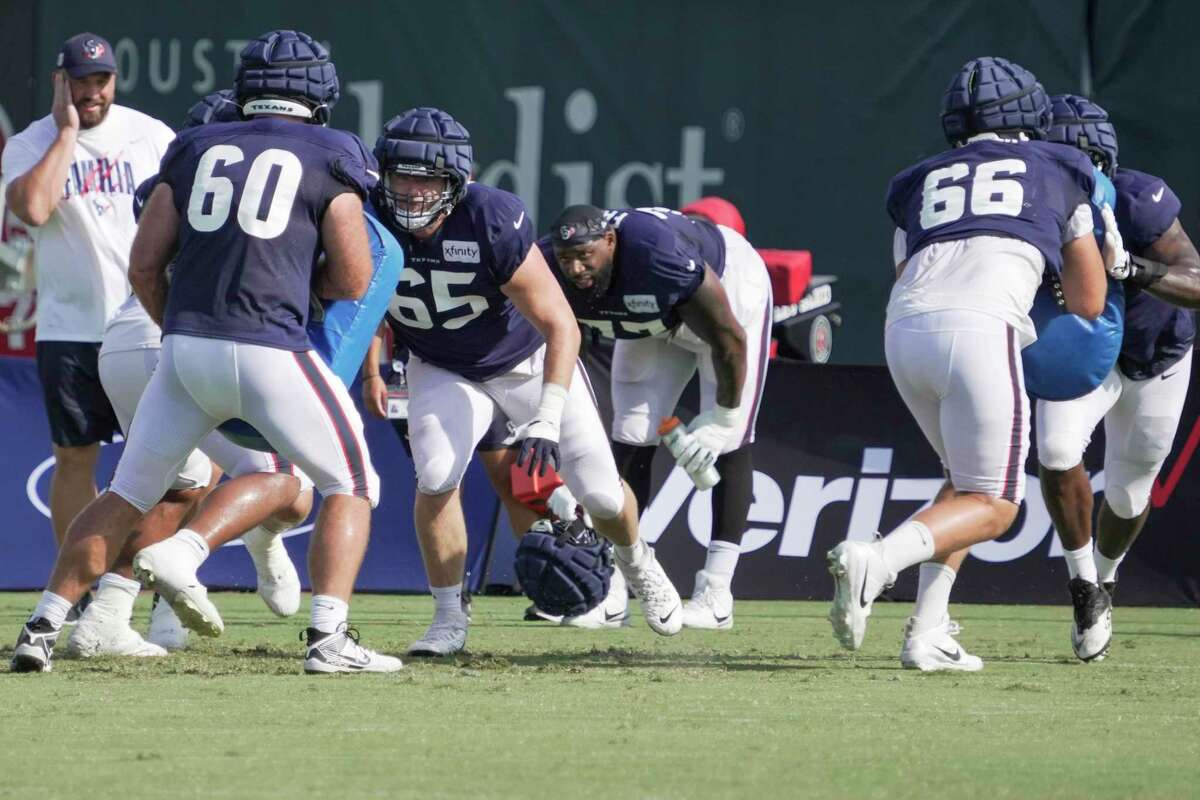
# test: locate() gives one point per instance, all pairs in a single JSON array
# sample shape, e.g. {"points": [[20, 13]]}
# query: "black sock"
{"points": [[733, 495], [634, 463]]}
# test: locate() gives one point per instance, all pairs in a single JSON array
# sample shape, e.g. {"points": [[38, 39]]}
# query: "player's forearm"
{"points": [[151, 291], [729, 364], [370, 366], [562, 350], [34, 196], [1180, 285]]}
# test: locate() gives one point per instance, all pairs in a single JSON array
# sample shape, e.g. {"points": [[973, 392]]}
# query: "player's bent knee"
{"points": [[440, 474], [1127, 488], [607, 504], [1058, 453]]}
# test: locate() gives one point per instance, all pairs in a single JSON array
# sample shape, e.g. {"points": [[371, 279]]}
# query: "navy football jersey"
{"points": [[1022, 190], [658, 265], [449, 308], [1157, 334], [250, 197]]}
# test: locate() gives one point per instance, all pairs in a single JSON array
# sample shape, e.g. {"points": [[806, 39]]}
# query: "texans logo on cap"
{"points": [[93, 49], [566, 232]]}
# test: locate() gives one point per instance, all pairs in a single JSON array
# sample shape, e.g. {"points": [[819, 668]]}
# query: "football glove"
{"points": [[539, 437], [708, 434], [1116, 258]]}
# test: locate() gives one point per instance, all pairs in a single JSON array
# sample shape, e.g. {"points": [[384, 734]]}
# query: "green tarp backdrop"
{"points": [[798, 112]]}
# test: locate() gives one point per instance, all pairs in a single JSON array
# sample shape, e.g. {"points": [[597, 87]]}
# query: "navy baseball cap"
{"points": [[86, 54]]}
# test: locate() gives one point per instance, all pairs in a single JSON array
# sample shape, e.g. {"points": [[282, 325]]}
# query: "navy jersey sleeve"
{"points": [[1146, 208], [177, 167], [896, 198], [141, 195], [1080, 174], [355, 168], [506, 231], [655, 260]]}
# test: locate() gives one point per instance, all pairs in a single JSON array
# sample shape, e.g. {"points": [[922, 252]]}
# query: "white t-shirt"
{"points": [[81, 254], [994, 275]]}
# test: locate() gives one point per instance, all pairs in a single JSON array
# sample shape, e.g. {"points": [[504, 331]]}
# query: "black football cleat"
{"points": [[1091, 631]]}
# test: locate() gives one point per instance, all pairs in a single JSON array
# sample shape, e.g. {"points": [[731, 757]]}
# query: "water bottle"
{"points": [[676, 438]]}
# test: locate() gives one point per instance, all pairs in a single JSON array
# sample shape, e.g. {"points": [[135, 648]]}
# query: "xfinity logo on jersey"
{"points": [[462, 252], [641, 303], [792, 523]]}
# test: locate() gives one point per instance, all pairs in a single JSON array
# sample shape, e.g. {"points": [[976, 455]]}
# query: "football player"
{"points": [[1141, 399], [245, 209], [679, 295], [487, 326], [128, 354], [976, 227]]}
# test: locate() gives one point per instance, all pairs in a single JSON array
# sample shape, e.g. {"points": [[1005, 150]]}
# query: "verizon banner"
{"points": [[838, 456]]}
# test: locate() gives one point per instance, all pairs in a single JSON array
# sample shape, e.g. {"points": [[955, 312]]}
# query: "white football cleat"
{"points": [[445, 637], [859, 575], [325, 653], [101, 634], [170, 569], [711, 604], [935, 650], [1091, 630], [278, 581], [166, 630], [613, 612], [660, 602]]}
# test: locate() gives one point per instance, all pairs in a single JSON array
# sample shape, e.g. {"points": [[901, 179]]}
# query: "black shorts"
{"points": [[78, 409]]}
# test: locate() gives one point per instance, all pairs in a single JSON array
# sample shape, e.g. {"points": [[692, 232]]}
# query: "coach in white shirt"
{"points": [[71, 176]]}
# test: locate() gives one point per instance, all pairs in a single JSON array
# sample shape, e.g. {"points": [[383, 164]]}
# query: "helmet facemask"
{"points": [[415, 210]]}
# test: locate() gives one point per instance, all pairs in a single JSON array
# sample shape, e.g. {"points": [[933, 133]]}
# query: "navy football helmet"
{"points": [[424, 142], [1081, 123], [287, 72], [564, 568], [994, 95], [216, 107]]}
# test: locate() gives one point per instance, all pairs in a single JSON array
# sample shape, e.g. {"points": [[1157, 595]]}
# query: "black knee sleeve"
{"points": [[634, 463], [733, 495]]}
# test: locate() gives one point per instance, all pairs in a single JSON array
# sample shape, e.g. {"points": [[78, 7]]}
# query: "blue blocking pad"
{"points": [[341, 330], [1072, 355]]}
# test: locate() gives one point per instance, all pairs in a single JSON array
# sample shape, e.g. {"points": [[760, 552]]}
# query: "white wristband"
{"points": [[554, 399], [725, 417]]}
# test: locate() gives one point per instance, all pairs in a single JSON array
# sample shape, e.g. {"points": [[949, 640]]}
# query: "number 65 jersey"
{"points": [[979, 224], [449, 308], [250, 197]]}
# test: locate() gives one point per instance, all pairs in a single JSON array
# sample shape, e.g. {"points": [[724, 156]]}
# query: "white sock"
{"points": [[52, 608], [115, 595], [447, 601], [1106, 568], [1080, 563], [933, 596], [632, 554], [722, 559], [195, 542], [911, 543], [328, 612]]}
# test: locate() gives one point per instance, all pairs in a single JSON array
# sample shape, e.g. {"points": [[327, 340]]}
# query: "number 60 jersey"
{"points": [[250, 197], [1006, 207]]}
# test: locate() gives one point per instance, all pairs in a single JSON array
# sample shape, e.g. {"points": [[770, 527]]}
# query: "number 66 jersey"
{"points": [[250, 197], [1007, 205]]}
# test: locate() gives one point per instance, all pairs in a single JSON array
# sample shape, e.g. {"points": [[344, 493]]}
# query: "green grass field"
{"points": [[770, 709]]}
